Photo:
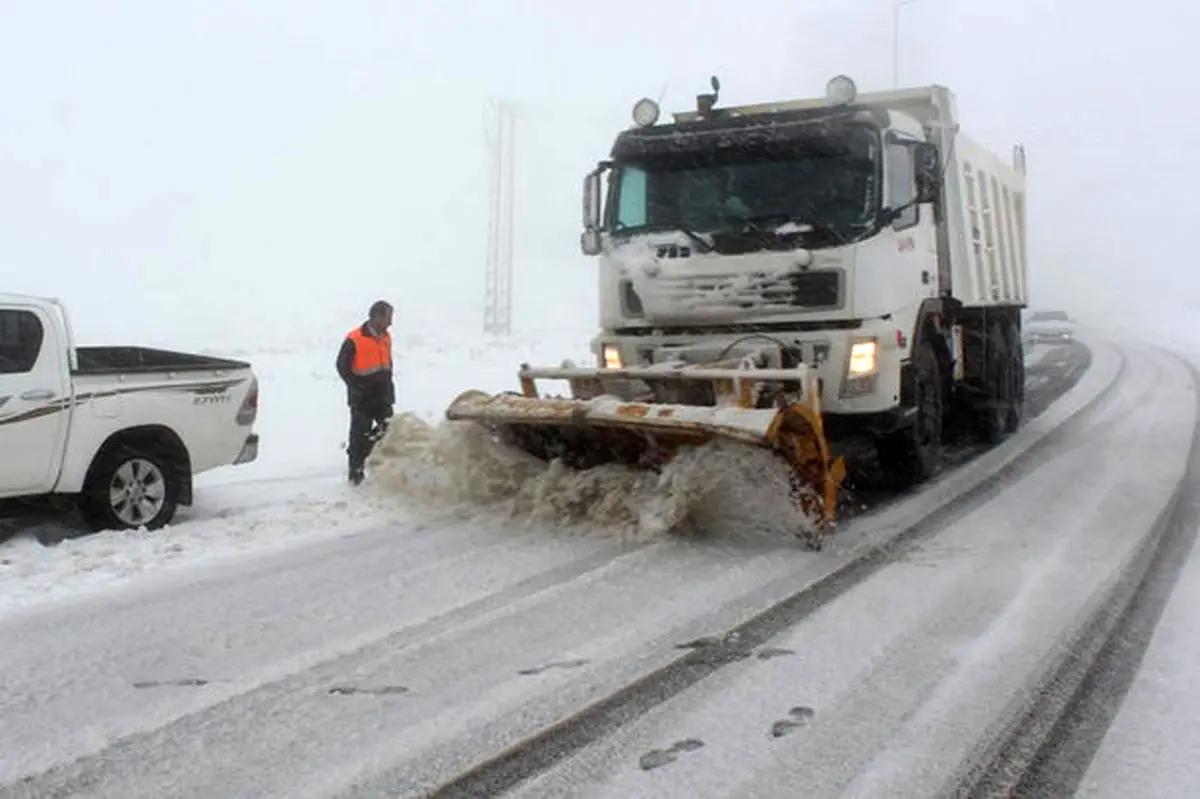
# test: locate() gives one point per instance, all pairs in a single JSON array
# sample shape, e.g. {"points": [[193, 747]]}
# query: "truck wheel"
{"points": [[130, 488], [911, 455], [1000, 413]]}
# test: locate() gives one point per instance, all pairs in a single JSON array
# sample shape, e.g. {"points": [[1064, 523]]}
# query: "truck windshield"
{"points": [[828, 182]]}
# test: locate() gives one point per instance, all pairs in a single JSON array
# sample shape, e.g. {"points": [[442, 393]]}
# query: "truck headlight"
{"points": [[862, 368], [612, 356], [864, 358]]}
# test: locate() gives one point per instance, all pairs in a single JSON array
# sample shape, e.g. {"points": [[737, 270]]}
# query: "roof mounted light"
{"points": [[841, 90], [645, 112], [705, 103]]}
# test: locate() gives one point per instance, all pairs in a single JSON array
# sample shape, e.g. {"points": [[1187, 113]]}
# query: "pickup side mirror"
{"points": [[928, 172]]}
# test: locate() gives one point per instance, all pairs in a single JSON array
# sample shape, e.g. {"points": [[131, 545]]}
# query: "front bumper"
{"points": [[1050, 336], [249, 451], [826, 354]]}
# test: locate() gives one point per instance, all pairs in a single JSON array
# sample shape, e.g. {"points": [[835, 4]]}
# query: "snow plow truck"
{"points": [[794, 276]]}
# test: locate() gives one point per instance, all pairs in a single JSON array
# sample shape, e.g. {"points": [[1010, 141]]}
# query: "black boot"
{"points": [[356, 476], [377, 433]]}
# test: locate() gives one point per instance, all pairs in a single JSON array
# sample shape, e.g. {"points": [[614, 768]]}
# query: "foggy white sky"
{"points": [[183, 171]]}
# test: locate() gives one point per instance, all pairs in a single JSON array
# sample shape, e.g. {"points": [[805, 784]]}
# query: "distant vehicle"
{"points": [[1049, 327], [119, 431]]}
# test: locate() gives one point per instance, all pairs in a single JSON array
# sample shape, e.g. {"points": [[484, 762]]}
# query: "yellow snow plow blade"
{"points": [[594, 427]]}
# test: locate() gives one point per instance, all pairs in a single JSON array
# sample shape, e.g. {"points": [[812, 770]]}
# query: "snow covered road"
{"points": [[1153, 746], [388, 661], [892, 691]]}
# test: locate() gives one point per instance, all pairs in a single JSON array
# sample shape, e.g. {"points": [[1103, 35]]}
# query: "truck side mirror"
{"points": [[589, 242], [929, 172], [591, 201]]}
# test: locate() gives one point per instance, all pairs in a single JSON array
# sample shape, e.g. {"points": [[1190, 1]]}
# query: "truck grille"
{"points": [[769, 292], [815, 289]]}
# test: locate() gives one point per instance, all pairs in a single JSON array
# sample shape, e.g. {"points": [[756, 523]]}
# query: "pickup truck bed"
{"points": [[95, 361]]}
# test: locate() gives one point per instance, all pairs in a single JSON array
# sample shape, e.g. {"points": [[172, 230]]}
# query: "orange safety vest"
{"points": [[371, 354]]}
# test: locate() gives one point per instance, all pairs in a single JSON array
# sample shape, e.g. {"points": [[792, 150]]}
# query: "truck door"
{"points": [[34, 400], [916, 235]]}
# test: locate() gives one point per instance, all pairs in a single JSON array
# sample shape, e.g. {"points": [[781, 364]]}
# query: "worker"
{"points": [[365, 365]]}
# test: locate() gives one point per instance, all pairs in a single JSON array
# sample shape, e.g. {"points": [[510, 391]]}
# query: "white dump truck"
{"points": [[854, 257], [119, 432]]}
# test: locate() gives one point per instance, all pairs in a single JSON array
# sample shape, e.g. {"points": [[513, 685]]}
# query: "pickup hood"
{"points": [[667, 279]]}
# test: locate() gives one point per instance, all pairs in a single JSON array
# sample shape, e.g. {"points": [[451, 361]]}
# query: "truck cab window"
{"points": [[902, 187], [21, 337], [824, 181], [631, 203]]}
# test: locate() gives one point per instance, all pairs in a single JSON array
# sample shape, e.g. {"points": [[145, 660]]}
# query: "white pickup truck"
{"points": [[119, 430]]}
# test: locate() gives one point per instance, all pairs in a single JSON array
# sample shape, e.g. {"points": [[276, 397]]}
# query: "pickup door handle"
{"points": [[38, 394]]}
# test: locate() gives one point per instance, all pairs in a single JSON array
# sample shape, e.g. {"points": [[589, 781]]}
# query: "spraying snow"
{"points": [[460, 469]]}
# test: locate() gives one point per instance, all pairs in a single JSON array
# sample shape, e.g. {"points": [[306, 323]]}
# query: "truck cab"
{"points": [[842, 232]]}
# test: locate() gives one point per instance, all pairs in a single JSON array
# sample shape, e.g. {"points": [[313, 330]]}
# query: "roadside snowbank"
{"points": [[459, 469]]}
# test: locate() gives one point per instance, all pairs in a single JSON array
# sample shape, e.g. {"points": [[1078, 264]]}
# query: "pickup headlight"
{"points": [[864, 358], [612, 356]]}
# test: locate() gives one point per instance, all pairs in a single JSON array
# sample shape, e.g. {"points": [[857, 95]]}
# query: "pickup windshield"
{"points": [[825, 185]]}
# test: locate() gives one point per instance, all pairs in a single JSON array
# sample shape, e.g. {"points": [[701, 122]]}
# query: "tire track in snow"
{"points": [[1046, 750], [542, 751], [287, 672]]}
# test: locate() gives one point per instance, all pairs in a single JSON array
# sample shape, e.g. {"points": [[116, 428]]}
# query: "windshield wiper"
{"points": [[804, 225], [704, 245], [691, 234], [779, 218]]}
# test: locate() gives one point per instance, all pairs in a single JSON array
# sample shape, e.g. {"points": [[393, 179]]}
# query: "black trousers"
{"points": [[364, 424]]}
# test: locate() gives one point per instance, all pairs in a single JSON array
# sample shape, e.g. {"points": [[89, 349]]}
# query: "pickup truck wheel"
{"points": [[130, 489]]}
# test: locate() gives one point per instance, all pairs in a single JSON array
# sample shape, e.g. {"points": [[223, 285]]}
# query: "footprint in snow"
{"points": [[726, 649], [657, 758], [383, 690], [773, 652], [559, 664], [187, 682], [798, 717], [706, 642]]}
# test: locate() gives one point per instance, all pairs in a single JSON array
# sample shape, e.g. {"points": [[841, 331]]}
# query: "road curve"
{"points": [[901, 686], [401, 661]]}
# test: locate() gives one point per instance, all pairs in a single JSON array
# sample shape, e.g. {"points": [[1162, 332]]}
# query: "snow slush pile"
{"points": [[459, 468]]}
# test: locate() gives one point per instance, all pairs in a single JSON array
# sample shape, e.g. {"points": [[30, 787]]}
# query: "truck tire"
{"points": [[130, 487], [911, 455], [1016, 349], [999, 413]]}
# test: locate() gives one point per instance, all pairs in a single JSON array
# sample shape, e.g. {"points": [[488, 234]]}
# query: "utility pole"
{"points": [[497, 283], [896, 6]]}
